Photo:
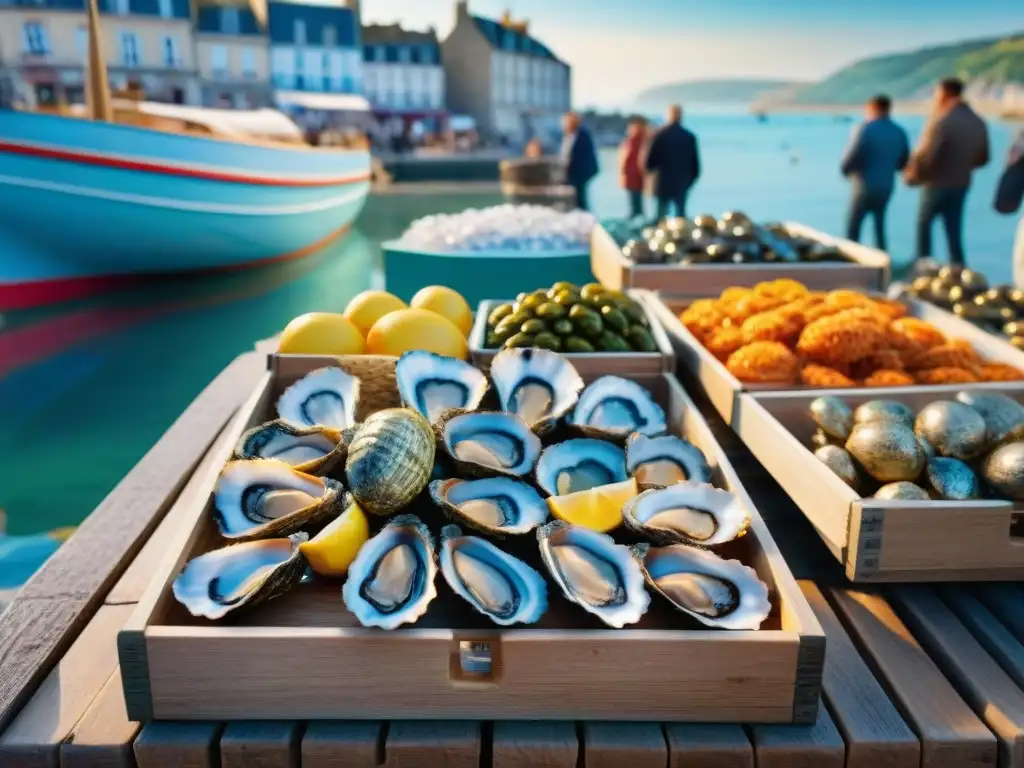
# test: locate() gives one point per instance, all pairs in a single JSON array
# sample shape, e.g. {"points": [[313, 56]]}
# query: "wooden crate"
{"points": [[871, 272], [302, 656], [879, 540], [587, 363], [723, 389]]}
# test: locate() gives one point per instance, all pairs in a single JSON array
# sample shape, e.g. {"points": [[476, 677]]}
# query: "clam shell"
{"points": [[887, 449], [1004, 416], [1004, 470], [832, 416], [902, 491], [952, 479], [840, 462], [876, 410], [955, 429]]}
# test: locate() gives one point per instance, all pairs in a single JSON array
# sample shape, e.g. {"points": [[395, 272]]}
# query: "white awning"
{"points": [[327, 102]]}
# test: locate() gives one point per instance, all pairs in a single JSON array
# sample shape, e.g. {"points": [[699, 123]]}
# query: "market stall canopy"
{"points": [[327, 102]]}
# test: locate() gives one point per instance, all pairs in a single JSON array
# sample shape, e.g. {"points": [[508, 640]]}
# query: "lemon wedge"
{"points": [[599, 508], [331, 552]]}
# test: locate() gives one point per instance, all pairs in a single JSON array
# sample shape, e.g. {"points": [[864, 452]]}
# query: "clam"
{"points": [[687, 513], [902, 491], [1004, 416], [716, 592], [488, 443], [537, 385], [390, 460], [664, 460], [832, 416], [578, 465], [432, 384], [496, 506], [887, 449], [325, 397], [240, 575], [952, 479], [313, 450], [612, 408], [594, 572], [501, 587], [955, 429], [840, 462], [1004, 470], [875, 410]]}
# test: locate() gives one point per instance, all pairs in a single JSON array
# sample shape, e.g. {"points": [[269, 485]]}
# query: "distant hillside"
{"points": [[981, 63], [724, 91]]}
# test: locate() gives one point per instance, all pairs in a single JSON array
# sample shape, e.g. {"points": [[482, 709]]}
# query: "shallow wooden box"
{"points": [[587, 363], [870, 272], [302, 656], [879, 540], [724, 390]]}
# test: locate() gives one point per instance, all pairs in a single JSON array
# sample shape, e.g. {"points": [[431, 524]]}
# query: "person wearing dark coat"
{"points": [[1009, 198], [580, 157], [675, 161]]}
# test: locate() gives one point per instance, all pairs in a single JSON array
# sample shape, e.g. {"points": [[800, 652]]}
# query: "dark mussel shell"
{"points": [[972, 281], [721, 253], [940, 291], [950, 273], [639, 252], [921, 288]]}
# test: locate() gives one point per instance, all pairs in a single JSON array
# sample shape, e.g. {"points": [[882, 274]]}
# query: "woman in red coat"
{"points": [[631, 165]]}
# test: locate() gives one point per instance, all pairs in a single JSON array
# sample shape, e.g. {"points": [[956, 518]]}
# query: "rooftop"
{"points": [[509, 36], [384, 34]]}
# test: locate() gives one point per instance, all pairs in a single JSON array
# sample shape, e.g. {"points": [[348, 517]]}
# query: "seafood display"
{"points": [[971, 447], [782, 334], [570, 318], [464, 479]]}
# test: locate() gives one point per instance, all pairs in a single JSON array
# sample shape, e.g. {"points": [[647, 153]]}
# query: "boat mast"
{"points": [[98, 86]]}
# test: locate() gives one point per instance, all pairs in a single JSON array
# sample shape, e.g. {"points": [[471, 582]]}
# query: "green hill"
{"points": [[725, 91]]}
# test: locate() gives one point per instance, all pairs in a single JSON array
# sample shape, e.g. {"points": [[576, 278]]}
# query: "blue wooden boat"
{"points": [[86, 205]]}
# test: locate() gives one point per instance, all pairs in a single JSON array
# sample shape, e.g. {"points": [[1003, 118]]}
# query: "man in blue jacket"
{"points": [[674, 161], [580, 158], [878, 151]]}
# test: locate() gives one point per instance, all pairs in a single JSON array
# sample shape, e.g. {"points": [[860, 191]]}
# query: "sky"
{"points": [[620, 47]]}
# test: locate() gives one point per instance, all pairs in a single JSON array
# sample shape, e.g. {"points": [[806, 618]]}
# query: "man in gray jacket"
{"points": [[878, 151], [954, 144]]}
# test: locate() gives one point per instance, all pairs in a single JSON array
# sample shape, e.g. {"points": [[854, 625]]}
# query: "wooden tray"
{"points": [[723, 389], [587, 363], [302, 656], [871, 272], [878, 540]]}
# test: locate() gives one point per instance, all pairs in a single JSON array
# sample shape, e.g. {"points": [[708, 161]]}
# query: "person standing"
{"points": [[1009, 196], [675, 160], [579, 156], [954, 144], [878, 150], [631, 165]]}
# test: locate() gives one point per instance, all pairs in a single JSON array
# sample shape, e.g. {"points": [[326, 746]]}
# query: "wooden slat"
{"points": [[799, 746], [35, 735], [1006, 602], [260, 744], [103, 738], [987, 630], [874, 732], [56, 603], [693, 745], [981, 682], [614, 745], [178, 745], [541, 744], [349, 744], [432, 744], [951, 735]]}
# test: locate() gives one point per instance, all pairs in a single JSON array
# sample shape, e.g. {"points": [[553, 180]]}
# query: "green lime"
{"points": [[499, 313], [562, 285], [520, 340], [521, 296], [547, 341], [635, 313], [640, 339], [507, 327], [586, 321], [591, 289], [519, 317], [576, 344], [566, 298], [551, 311], [562, 327], [612, 342], [532, 301], [614, 319], [533, 326]]}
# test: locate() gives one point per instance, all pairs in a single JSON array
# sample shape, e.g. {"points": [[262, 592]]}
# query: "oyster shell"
{"points": [[432, 384], [1004, 416], [716, 592], [537, 385], [594, 572], [501, 587], [496, 506], [877, 410], [687, 513], [577, 465], [488, 443], [954, 429], [1004, 470], [840, 462], [902, 491], [218, 582], [665, 460], [266, 498], [313, 450], [887, 449], [832, 416], [391, 581], [325, 397], [611, 408], [952, 479]]}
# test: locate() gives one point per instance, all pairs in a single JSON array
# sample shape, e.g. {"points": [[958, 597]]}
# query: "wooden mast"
{"points": [[98, 85]]}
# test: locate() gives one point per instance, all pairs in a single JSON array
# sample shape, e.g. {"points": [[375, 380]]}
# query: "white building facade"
{"points": [[315, 48], [402, 70]]}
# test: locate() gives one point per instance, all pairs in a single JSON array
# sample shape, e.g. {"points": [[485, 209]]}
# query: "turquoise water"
{"points": [[81, 406]]}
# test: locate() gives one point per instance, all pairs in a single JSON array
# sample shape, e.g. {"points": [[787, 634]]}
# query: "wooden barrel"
{"points": [[532, 172]]}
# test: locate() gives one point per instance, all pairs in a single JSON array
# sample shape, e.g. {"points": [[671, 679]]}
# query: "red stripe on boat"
{"points": [[146, 166]]}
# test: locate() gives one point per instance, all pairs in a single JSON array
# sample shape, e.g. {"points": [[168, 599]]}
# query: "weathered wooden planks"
{"points": [[611, 745], [522, 744], [693, 745], [181, 745], [433, 744], [260, 744], [355, 744], [103, 737]]}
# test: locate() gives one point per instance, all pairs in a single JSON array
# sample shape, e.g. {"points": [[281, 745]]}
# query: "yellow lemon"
{"points": [[370, 306], [409, 329], [599, 509], [331, 552], [321, 333], [447, 303]]}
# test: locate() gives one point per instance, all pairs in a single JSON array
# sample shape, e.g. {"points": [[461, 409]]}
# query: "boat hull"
{"points": [[85, 206]]}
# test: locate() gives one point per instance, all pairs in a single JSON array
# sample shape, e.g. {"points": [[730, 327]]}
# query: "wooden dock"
{"points": [[929, 676]]}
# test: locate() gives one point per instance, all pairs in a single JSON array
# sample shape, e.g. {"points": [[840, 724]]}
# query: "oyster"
{"points": [[493, 505], [390, 460], [1004, 470], [314, 450], [952, 479], [716, 592], [665, 460], [955, 429], [265, 498], [577, 465], [902, 491], [501, 587], [840, 462], [1004, 416], [391, 581], [832, 416], [594, 572], [876, 410], [432, 384], [325, 397], [887, 449], [487, 443], [687, 513], [612, 408], [537, 385], [214, 584]]}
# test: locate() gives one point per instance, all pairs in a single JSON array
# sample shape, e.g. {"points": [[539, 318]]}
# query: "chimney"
{"points": [[461, 10]]}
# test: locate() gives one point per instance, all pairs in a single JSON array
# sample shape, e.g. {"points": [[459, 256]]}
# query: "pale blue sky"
{"points": [[619, 47]]}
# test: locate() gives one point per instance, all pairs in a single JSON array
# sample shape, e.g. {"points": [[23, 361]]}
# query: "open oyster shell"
{"points": [[611, 408], [664, 460], [314, 450], [580, 464], [432, 384], [687, 513], [325, 397], [538, 385], [496, 506], [488, 443]]}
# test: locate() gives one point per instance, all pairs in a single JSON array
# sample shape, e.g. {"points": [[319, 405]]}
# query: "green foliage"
{"points": [[708, 91]]}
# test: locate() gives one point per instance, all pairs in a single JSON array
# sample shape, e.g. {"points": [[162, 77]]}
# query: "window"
{"points": [[381, 53], [283, 66], [230, 21], [337, 70], [35, 39], [82, 42], [129, 49], [404, 54], [219, 61], [299, 32], [171, 57], [249, 63], [428, 55], [166, 9], [330, 36], [121, 7]]}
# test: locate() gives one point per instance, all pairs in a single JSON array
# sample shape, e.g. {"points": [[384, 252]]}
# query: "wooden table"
{"points": [[915, 676]]}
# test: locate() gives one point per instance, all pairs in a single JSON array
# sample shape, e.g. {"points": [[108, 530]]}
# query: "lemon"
{"points": [[447, 303], [370, 306], [321, 333], [599, 509], [409, 329], [331, 552]]}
